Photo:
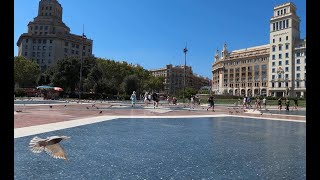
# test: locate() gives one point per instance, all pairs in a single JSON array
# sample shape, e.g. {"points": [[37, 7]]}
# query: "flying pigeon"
{"points": [[50, 145]]}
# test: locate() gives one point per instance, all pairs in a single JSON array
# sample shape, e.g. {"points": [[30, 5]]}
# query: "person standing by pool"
{"points": [[264, 101], [295, 100], [279, 104], [192, 102], [155, 100], [146, 101], [287, 103], [211, 103], [133, 98]]}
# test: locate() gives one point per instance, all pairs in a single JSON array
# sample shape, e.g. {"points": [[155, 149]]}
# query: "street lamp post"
{"points": [[81, 62], [185, 50]]}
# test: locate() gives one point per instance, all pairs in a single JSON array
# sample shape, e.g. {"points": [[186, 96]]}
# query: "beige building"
{"points": [[275, 69], [241, 72], [174, 78], [48, 39]]}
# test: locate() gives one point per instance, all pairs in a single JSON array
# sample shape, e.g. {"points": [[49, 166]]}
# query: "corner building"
{"points": [[48, 39], [277, 69]]}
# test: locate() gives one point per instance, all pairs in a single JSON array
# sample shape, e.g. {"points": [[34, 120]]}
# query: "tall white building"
{"points": [[275, 69], [287, 53]]}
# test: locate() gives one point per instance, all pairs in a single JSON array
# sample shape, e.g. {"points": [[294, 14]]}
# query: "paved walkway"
{"points": [[37, 114]]}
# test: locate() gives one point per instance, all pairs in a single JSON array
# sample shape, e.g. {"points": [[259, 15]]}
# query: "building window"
{"points": [[50, 41], [77, 46], [280, 39], [280, 25], [72, 51], [49, 54], [27, 40], [273, 40], [36, 28], [287, 69], [287, 23], [298, 68], [50, 8], [33, 54], [41, 27], [274, 26], [39, 47], [25, 53], [287, 62], [287, 76], [272, 84], [284, 11], [280, 48], [281, 12], [298, 61], [273, 49], [273, 70], [43, 47], [279, 76], [280, 56], [298, 84], [279, 84], [44, 41], [66, 44], [77, 52], [65, 50], [34, 41], [273, 76], [298, 54], [287, 46], [277, 26], [46, 28], [280, 63], [73, 45], [273, 57], [298, 75], [287, 55], [273, 63], [284, 22], [287, 38]]}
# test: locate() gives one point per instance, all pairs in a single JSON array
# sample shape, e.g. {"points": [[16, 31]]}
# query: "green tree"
{"points": [[130, 84], [154, 84], [26, 72], [66, 73]]}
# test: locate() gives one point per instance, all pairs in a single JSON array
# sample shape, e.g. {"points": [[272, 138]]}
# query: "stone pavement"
{"points": [[38, 114]]}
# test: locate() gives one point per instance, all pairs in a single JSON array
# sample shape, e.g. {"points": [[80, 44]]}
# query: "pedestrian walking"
{"points": [[133, 99], [211, 103]]}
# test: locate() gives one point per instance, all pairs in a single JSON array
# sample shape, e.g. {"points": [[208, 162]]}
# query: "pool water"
{"points": [[189, 148]]}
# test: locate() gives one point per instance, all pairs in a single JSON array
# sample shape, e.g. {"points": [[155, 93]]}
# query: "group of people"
{"points": [[147, 99], [287, 104]]}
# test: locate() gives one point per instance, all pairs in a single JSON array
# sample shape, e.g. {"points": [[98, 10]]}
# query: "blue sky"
{"points": [[153, 33]]}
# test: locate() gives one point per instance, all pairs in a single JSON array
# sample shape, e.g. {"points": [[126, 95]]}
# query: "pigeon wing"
{"points": [[36, 144], [56, 151]]}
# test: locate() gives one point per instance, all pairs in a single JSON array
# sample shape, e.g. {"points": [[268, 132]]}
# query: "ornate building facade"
{"points": [[48, 39], [174, 78], [276, 69]]}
